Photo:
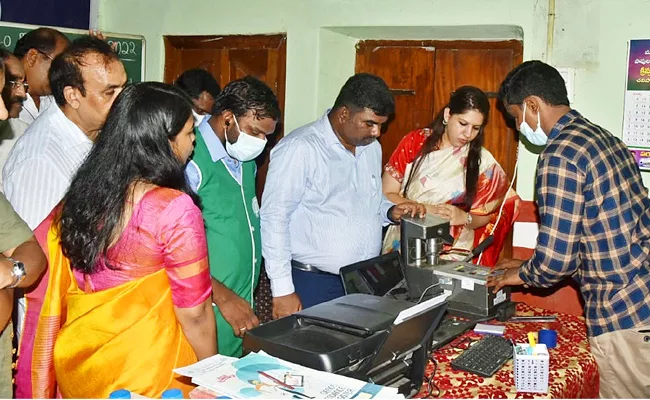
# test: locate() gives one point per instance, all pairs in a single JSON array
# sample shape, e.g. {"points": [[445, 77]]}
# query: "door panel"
{"points": [[408, 72], [248, 62]]}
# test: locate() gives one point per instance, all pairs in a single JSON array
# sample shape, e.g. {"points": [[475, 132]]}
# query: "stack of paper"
{"points": [[263, 376]]}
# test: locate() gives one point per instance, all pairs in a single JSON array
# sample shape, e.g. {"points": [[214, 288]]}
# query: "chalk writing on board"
{"points": [[124, 48]]}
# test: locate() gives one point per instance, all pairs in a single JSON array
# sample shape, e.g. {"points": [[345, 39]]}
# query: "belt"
{"points": [[308, 268]]}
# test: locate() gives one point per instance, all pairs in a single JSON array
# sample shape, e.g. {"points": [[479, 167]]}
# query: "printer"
{"points": [[376, 339]]}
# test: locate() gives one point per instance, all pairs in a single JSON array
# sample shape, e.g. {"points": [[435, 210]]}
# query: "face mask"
{"points": [[198, 118], [246, 147], [537, 136]]}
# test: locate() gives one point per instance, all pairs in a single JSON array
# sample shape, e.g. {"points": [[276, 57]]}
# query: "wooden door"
{"points": [[229, 58], [422, 75], [232, 57], [409, 73]]}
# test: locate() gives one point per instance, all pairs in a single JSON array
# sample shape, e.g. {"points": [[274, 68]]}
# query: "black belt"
{"points": [[308, 268]]}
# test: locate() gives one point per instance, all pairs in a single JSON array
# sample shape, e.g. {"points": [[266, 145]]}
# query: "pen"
{"points": [[276, 380]]}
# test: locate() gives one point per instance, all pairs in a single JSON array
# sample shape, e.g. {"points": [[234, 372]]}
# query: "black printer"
{"points": [[371, 338]]}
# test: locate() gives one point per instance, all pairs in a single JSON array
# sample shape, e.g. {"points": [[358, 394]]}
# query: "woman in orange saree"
{"points": [[126, 298], [446, 167]]}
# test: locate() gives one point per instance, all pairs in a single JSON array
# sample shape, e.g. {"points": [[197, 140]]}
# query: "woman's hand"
{"points": [[455, 215]]}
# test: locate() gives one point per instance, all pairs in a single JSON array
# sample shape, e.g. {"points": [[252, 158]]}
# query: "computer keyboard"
{"points": [[485, 357]]}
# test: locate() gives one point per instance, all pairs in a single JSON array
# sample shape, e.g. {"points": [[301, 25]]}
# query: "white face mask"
{"points": [[537, 136], [198, 118], [246, 147]]}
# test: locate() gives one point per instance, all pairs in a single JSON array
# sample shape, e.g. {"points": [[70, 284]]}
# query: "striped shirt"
{"points": [[30, 112], [594, 224], [322, 205], [10, 131], [42, 163]]}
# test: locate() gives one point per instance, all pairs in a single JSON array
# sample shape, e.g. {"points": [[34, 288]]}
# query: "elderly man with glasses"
{"points": [[36, 50], [14, 94]]}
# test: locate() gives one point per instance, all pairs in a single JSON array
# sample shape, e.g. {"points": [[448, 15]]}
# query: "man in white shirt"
{"points": [[36, 50], [323, 206], [14, 94], [85, 80]]}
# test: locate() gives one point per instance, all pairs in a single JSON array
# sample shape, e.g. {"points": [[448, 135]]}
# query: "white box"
{"points": [[531, 370]]}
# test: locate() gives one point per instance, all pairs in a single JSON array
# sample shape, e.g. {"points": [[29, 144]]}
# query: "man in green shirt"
{"points": [[222, 171]]}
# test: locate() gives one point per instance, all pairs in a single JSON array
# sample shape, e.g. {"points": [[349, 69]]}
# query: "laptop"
{"points": [[377, 276], [383, 276]]}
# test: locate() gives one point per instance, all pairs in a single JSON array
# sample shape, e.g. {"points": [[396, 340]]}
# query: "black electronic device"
{"points": [[376, 339], [485, 357], [378, 276]]}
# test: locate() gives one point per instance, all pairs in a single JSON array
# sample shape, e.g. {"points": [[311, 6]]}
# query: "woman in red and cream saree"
{"points": [[438, 158], [441, 180]]}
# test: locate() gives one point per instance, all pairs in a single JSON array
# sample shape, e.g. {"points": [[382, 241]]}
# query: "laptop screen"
{"points": [[376, 276]]}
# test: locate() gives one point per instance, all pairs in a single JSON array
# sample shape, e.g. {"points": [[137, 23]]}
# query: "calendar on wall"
{"points": [[636, 117]]}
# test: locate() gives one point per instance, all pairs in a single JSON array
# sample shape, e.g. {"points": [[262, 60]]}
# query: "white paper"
{"points": [[467, 284], [205, 366], [420, 308], [257, 375]]}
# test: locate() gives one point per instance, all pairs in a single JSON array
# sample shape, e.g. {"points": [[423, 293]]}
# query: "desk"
{"points": [[573, 371]]}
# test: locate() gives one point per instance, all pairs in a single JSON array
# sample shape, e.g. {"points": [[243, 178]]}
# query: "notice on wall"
{"points": [[636, 118]]}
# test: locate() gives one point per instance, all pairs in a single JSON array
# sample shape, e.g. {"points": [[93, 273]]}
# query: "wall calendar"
{"points": [[636, 117]]}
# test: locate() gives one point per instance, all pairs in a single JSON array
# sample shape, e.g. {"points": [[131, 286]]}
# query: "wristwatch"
{"points": [[17, 272], [469, 219]]}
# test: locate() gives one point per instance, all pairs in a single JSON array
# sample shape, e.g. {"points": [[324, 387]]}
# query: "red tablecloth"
{"points": [[573, 372]]}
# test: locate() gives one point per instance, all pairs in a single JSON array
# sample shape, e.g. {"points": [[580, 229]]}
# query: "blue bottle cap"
{"points": [[172, 394], [120, 394]]}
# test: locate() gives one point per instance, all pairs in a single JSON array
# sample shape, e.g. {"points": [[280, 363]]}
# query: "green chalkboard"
{"points": [[130, 48]]}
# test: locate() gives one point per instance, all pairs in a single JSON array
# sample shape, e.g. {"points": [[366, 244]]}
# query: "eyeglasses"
{"points": [[45, 54], [17, 84]]}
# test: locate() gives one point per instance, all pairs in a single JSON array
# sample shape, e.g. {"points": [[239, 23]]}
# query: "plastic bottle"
{"points": [[120, 394], [172, 394]]}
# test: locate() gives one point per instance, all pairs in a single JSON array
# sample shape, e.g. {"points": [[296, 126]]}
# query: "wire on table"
{"points": [[430, 379]]}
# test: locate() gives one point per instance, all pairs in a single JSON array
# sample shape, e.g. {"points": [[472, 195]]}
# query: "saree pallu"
{"points": [[87, 345]]}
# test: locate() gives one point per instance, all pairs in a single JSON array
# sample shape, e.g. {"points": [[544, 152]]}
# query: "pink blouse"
{"points": [[165, 231]]}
